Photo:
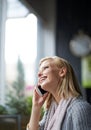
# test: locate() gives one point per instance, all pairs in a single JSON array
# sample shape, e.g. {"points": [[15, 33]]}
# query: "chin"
{"points": [[43, 86]]}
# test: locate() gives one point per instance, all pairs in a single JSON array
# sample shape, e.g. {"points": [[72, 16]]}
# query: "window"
{"points": [[21, 42]]}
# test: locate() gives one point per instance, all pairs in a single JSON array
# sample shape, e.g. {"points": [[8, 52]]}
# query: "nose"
{"points": [[39, 74]]}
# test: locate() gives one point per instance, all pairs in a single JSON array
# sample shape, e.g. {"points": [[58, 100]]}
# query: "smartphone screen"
{"points": [[40, 91]]}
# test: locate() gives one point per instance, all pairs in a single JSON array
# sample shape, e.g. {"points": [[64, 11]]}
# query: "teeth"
{"points": [[42, 79]]}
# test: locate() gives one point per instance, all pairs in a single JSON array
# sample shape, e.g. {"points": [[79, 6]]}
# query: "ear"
{"points": [[62, 71]]}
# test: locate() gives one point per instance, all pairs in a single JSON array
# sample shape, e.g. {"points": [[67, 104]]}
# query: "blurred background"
{"points": [[30, 30]]}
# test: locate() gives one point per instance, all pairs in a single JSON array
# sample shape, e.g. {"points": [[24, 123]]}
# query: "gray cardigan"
{"points": [[78, 116]]}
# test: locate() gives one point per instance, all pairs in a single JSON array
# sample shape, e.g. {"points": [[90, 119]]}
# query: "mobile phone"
{"points": [[40, 91]]}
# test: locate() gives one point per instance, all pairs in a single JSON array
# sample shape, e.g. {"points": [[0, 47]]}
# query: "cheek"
{"points": [[54, 76]]}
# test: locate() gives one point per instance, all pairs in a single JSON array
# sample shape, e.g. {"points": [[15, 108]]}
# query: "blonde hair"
{"points": [[69, 85]]}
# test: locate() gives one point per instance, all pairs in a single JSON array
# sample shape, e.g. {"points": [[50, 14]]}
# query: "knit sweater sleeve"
{"points": [[81, 116], [42, 122]]}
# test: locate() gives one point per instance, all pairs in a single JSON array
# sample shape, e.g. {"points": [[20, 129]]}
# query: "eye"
{"points": [[46, 67]]}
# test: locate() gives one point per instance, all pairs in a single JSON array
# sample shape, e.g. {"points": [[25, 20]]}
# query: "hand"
{"points": [[36, 110], [38, 100]]}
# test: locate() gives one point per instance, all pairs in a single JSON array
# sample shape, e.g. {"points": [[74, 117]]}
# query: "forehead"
{"points": [[46, 62]]}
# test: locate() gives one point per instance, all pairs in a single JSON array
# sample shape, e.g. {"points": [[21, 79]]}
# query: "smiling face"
{"points": [[48, 76]]}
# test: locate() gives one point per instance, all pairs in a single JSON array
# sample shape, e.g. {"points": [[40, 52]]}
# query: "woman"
{"points": [[64, 107]]}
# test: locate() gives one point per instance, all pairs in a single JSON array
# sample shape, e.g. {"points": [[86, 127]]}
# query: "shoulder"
{"points": [[78, 115], [80, 107], [80, 103]]}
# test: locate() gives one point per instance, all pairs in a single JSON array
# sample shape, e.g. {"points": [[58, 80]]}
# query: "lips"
{"points": [[42, 79]]}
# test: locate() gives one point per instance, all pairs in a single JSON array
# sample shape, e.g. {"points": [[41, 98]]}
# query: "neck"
{"points": [[57, 98]]}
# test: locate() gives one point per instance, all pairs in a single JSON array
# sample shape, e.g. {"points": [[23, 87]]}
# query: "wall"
{"points": [[3, 13], [72, 16], [46, 13], [45, 10]]}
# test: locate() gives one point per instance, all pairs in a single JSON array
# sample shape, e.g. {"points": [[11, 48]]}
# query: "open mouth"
{"points": [[42, 79]]}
